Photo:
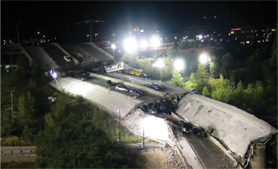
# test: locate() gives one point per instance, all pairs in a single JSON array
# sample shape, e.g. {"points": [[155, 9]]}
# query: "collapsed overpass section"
{"points": [[236, 129]]}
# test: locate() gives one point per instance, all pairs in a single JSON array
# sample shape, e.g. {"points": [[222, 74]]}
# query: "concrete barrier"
{"points": [[158, 93]]}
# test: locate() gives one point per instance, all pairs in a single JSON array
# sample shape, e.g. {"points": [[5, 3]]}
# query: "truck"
{"points": [[123, 67], [117, 67]]}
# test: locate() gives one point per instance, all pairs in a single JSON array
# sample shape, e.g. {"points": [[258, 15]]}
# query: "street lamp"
{"points": [[160, 64], [18, 31], [119, 111], [155, 43], [204, 58], [130, 45], [144, 44], [179, 64], [113, 46]]}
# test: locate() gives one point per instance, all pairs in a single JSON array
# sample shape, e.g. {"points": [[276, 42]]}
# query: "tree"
{"points": [[177, 79], [237, 97], [201, 73], [7, 127], [188, 85], [206, 92], [214, 67], [227, 64], [171, 51], [26, 117], [131, 59], [76, 143]]}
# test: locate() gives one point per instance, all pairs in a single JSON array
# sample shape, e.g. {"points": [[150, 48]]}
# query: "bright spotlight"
{"points": [[154, 127], [144, 44], [179, 64], [130, 45], [155, 41], [203, 58], [200, 36], [113, 46], [160, 64]]}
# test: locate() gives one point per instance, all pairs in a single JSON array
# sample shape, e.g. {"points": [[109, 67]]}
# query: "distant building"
{"points": [[252, 35], [221, 35], [91, 31]]}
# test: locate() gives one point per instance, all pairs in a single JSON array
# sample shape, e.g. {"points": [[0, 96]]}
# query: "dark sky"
{"points": [[123, 15]]}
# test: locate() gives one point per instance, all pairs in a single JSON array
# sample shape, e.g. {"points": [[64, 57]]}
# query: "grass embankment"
{"points": [[14, 141], [14, 164]]}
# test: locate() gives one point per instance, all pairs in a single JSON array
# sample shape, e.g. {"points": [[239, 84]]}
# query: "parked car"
{"points": [[121, 88], [163, 108], [143, 108], [67, 58], [153, 109], [199, 131], [153, 86], [192, 91], [135, 92], [151, 76], [84, 75], [185, 126], [140, 92], [109, 82]]}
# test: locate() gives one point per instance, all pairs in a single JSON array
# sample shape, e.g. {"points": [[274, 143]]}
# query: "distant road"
{"points": [[16, 149], [57, 55], [38, 54]]}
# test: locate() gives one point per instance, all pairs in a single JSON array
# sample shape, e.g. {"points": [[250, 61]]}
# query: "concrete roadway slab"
{"points": [[167, 88], [101, 82], [44, 60], [57, 55], [153, 127], [233, 126], [109, 100]]}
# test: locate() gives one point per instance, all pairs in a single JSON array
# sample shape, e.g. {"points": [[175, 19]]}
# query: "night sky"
{"points": [[124, 15]]}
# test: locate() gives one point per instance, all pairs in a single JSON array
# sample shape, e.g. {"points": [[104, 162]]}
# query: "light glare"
{"points": [[144, 44], [113, 46], [154, 127], [130, 45], [179, 64], [203, 58], [155, 42]]}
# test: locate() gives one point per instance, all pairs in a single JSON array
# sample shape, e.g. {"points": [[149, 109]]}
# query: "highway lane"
{"points": [[109, 100], [167, 88], [57, 55], [97, 81], [207, 152], [38, 54]]}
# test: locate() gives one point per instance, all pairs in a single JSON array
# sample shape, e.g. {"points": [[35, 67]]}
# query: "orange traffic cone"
{"points": [[109, 88], [134, 97], [82, 79]]}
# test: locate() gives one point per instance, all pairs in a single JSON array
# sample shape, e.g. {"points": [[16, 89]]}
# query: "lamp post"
{"points": [[159, 64], [12, 104], [155, 43], [113, 46], [178, 64], [130, 45], [144, 45], [204, 58], [119, 111], [154, 65], [17, 31]]}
